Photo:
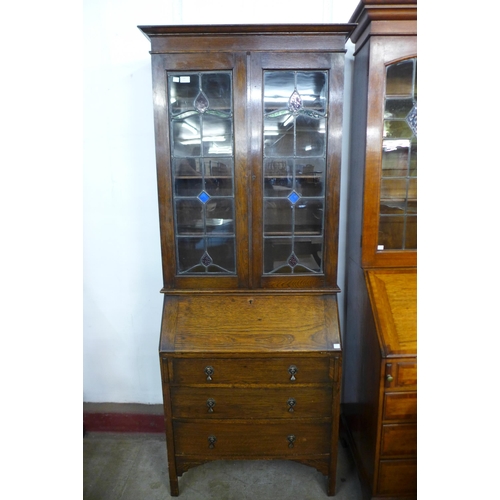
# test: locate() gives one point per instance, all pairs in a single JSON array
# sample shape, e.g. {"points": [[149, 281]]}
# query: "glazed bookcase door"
{"points": [[397, 229], [390, 205], [295, 112], [200, 133]]}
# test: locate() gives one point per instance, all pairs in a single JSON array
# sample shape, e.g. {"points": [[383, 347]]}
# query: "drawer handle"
{"points": [[210, 404], [292, 370], [291, 440], [211, 442], [388, 374], [209, 371], [291, 403]]}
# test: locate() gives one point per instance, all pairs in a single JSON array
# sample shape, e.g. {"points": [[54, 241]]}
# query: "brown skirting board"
{"points": [[109, 417]]}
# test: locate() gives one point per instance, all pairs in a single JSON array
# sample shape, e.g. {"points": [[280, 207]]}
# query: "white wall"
{"points": [[122, 269]]}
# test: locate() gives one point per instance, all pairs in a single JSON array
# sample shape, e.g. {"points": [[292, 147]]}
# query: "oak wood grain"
{"points": [[393, 295], [308, 402], [252, 438], [246, 323], [270, 370]]}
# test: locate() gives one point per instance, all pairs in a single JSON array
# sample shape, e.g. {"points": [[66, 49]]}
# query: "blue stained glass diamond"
{"points": [[294, 197], [203, 196]]}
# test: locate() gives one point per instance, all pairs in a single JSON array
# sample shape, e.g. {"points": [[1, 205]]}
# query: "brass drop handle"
{"points": [[209, 371], [292, 370], [291, 440], [211, 442], [210, 404], [389, 378], [291, 403]]}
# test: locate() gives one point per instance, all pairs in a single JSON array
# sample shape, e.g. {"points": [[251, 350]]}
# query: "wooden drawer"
{"points": [[400, 406], [255, 438], [293, 402], [403, 373], [314, 370], [398, 439], [397, 477]]}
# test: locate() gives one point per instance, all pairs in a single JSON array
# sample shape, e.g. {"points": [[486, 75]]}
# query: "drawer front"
{"points": [[401, 375], [397, 477], [251, 371], [398, 439], [400, 406], [222, 402], [263, 438]]}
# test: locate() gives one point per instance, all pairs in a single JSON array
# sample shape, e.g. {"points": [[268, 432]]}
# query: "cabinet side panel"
{"points": [[357, 155], [354, 280], [162, 147], [361, 381], [165, 366], [335, 412]]}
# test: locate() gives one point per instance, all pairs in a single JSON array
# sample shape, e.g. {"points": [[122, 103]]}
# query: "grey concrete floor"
{"points": [[122, 466]]}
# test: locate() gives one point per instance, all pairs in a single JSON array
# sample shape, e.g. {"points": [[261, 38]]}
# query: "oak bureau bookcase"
{"points": [[379, 397], [248, 130]]}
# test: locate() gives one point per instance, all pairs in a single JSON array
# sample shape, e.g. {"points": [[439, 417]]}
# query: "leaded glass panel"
{"points": [[398, 186], [294, 169], [202, 160]]}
